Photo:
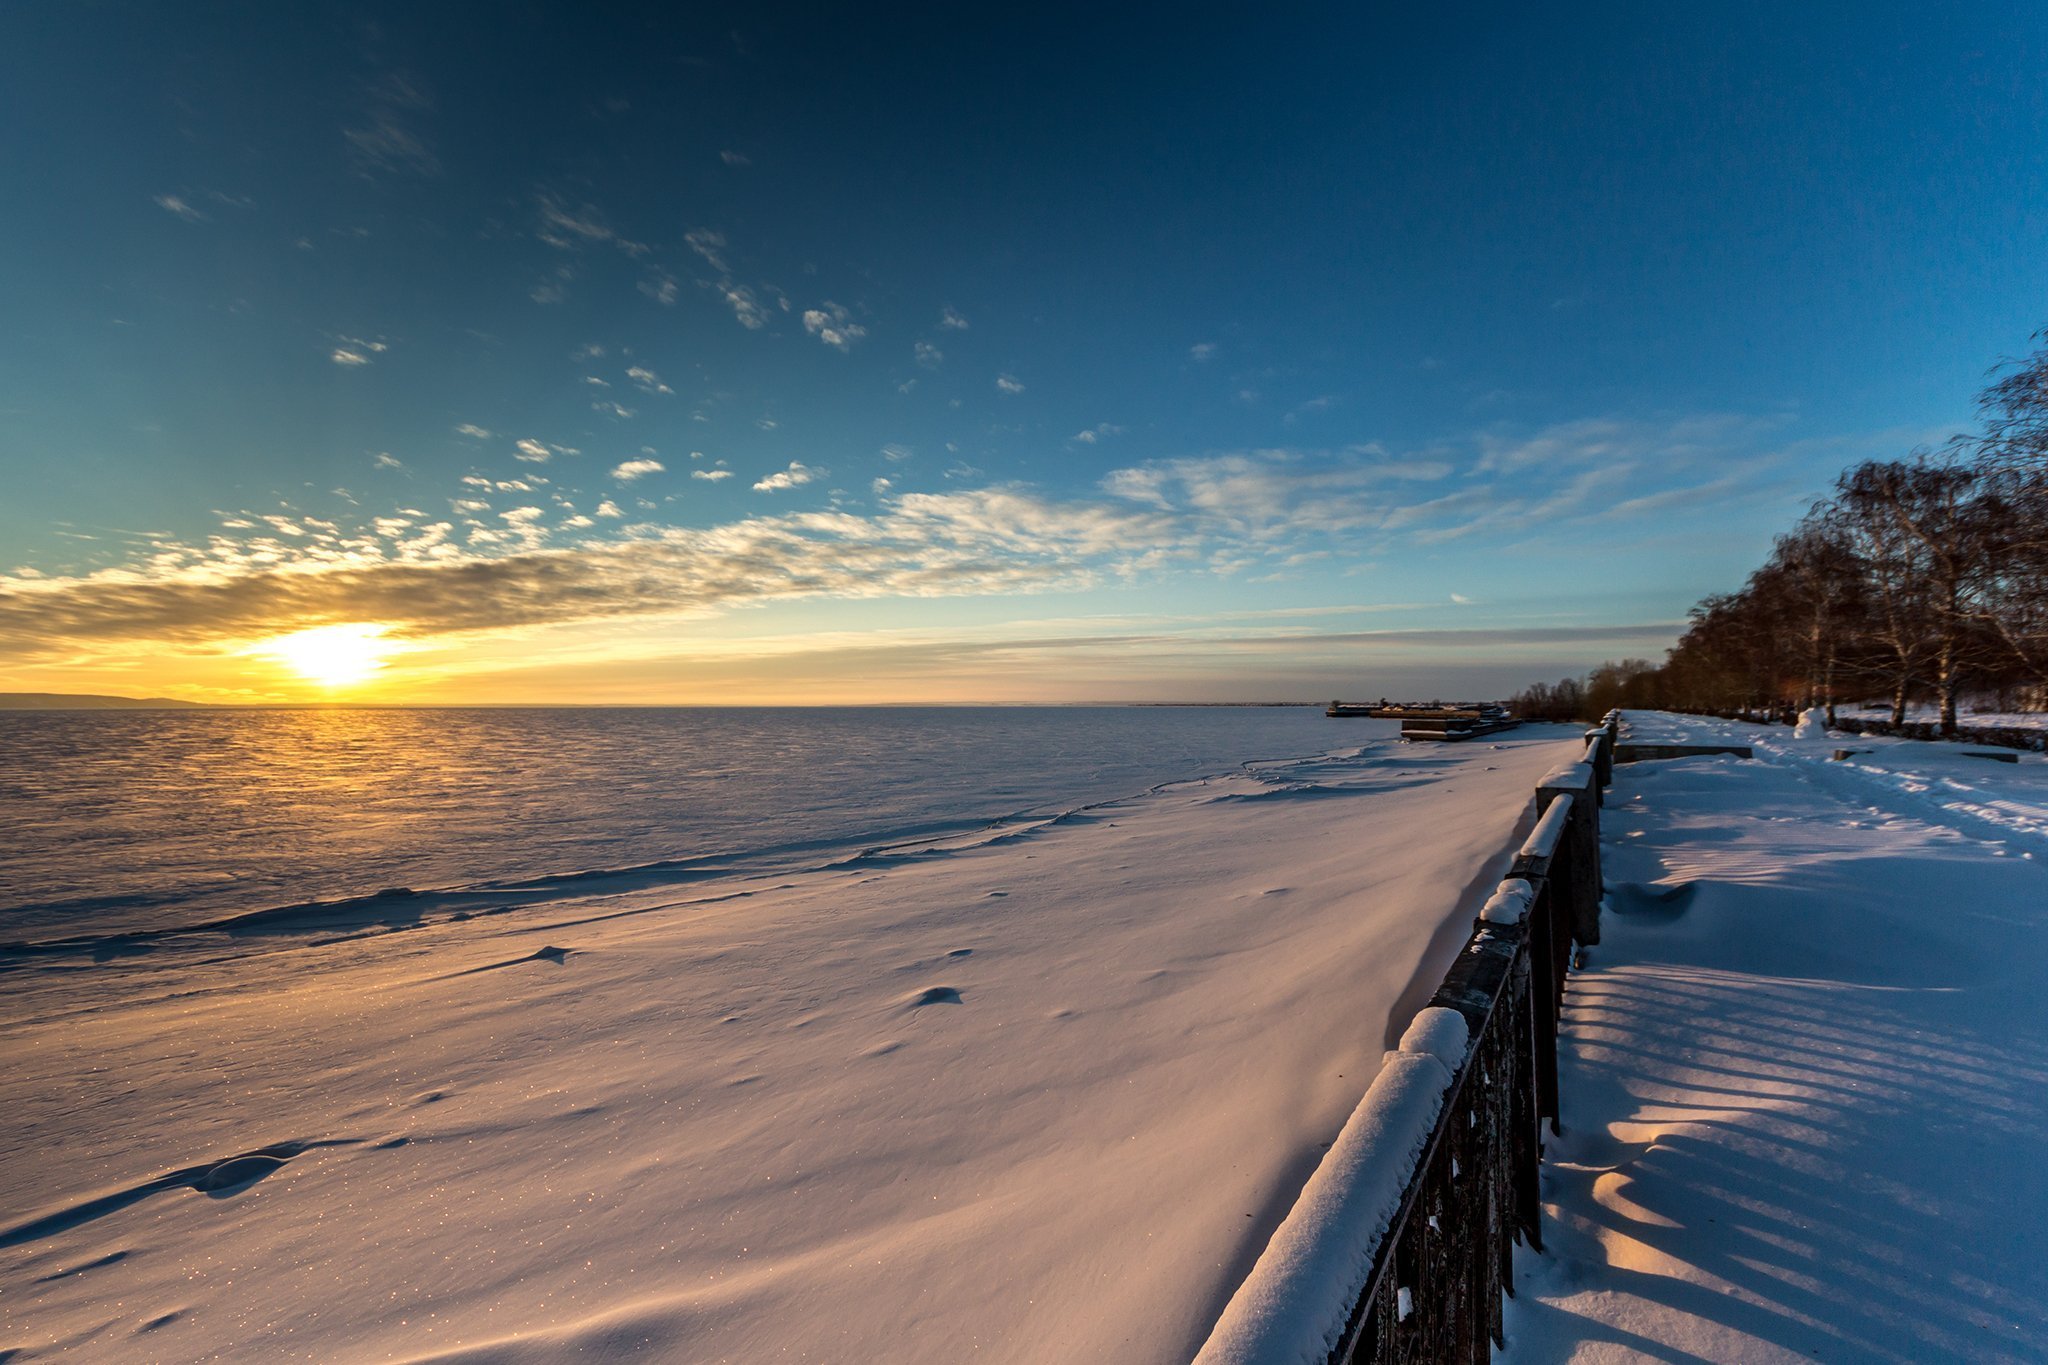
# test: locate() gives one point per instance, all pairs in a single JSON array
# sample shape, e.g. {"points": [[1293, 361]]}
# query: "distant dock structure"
{"points": [[1443, 722]]}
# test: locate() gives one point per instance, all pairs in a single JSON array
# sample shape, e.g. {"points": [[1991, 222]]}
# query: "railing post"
{"points": [[1575, 870]]}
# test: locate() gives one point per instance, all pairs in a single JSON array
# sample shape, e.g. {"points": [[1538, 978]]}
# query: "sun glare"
{"points": [[332, 656]]}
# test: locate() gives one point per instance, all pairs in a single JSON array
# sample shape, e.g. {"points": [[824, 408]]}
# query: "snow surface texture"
{"points": [[1292, 1309], [1805, 1095], [1040, 1094]]}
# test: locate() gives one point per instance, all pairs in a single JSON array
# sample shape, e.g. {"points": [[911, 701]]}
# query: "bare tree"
{"points": [[1925, 538], [2012, 458], [1824, 590]]}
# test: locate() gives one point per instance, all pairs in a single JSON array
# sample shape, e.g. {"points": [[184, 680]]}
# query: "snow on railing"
{"points": [[1402, 1241]]}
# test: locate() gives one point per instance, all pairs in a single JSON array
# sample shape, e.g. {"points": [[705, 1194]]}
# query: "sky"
{"points": [[539, 353]]}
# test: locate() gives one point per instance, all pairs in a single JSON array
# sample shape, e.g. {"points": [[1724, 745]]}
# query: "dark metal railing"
{"points": [[1437, 1271]]}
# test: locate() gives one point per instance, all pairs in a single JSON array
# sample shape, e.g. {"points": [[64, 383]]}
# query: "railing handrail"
{"points": [[1327, 1286]]}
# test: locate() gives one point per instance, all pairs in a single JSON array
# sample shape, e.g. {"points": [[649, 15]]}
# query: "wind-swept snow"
{"points": [[1805, 1074], [1041, 1095]]}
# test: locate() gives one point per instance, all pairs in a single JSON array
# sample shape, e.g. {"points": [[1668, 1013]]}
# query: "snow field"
{"points": [[1805, 1096], [1042, 1097]]}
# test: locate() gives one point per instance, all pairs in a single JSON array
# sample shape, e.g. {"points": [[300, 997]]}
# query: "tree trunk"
{"points": [[1946, 684]]}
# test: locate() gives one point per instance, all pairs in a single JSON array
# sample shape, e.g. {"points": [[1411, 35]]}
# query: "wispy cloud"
{"points": [[1252, 513], [951, 321], [530, 450], [647, 381], [745, 304], [570, 228], [928, 355], [1202, 350], [385, 140], [176, 205], [1009, 383]]}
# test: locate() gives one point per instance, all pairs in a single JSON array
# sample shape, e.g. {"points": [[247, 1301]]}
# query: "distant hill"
{"points": [[82, 701]]}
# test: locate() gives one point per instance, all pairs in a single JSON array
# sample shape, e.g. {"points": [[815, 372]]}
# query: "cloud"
{"points": [[795, 476], [472, 430], [1202, 350], [711, 246], [172, 204], [745, 305], [647, 380], [928, 355], [354, 351], [1097, 432], [555, 288], [711, 475], [1009, 383], [1267, 496], [1313, 405], [735, 158], [834, 326], [660, 286], [385, 141], [386, 460], [571, 229], [612, 409], [1248, 513], [530, 450], [952, 321], [971, 542]]}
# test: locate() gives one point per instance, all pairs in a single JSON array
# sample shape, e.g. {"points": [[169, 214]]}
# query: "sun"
{"points": [[332, 656]]}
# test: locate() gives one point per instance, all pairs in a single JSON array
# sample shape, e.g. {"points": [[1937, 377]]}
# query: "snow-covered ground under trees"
{"points": [[1036, 1095], [1805, 1074]]}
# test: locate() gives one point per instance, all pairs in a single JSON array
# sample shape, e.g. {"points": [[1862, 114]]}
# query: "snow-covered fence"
{"points": [[1400, 1246], [2003, 736], [2031, 738]]}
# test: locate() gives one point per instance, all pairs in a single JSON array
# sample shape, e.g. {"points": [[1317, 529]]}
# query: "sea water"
{"points": [[118, 822]]}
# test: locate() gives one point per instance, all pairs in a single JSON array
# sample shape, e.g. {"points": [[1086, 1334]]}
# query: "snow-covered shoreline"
{"points": [[1043, 1097], [1802, 1077]]}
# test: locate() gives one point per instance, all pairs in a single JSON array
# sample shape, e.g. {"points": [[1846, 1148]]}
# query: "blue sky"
{"points": [[782, 355]]}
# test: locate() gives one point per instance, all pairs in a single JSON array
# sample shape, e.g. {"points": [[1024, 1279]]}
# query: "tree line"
{"points": [[1914, 580]]}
